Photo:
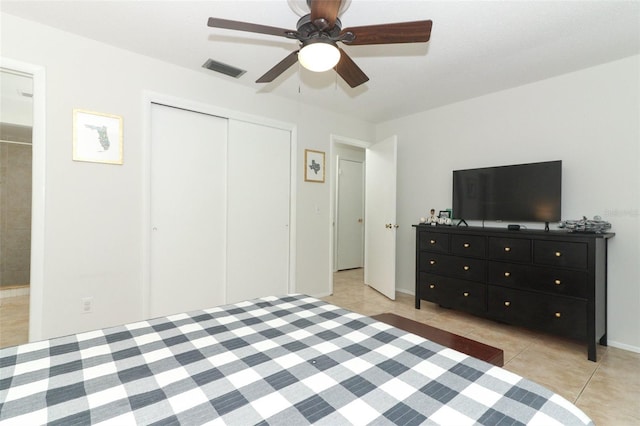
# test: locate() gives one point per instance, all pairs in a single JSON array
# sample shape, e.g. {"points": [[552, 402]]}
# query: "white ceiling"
{"points": [[476, 47]]}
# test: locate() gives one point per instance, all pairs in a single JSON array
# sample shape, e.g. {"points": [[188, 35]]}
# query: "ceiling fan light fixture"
{"points": [[302, 7], [319, 56]]}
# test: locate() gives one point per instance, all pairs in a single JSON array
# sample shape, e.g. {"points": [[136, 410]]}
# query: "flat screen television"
{"points": [[522, 192]]}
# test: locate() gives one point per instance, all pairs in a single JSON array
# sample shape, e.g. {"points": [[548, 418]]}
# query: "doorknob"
{"points": [[396, 226], [388, 226]]}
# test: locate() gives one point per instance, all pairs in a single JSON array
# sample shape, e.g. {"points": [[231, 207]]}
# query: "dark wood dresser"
{"points": [[554, 281]]}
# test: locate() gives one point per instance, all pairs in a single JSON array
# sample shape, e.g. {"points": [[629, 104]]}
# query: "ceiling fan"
{"points": [[319, 32]]}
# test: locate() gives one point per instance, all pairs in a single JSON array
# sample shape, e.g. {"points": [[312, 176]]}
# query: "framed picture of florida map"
{"points": [[97, 137]]}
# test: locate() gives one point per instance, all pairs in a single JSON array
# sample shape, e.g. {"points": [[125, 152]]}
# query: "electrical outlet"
{"points": [[87, 305]]}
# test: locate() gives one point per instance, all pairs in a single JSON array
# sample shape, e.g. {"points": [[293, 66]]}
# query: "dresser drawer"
{"points": [[469, 245], [453, 293], [434, 241], [560, 253], [459, 267], [511, 249], [548, 280], [556, 314]]}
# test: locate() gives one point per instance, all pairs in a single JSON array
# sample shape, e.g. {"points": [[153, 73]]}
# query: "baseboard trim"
{"points": [[405, 291], [14, 291], [623, 346]]}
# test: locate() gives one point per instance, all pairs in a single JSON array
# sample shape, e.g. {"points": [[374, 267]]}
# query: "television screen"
{"points": [[522, 192]]}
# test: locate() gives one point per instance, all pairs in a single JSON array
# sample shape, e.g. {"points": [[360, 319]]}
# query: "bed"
{"points": [[288, 360]]}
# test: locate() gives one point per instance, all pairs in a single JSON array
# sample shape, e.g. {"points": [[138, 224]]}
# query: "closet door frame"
{"points": [[171, 101]]}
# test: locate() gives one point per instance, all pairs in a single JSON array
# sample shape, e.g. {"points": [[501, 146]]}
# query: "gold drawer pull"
{"points": [[432, 262], [466, 245], [466, 294], [558, 254], [507, 274], [558, 314], [557, 282], [432, 241], [466, 267], [507, 249], [432, 286], [507, 303]]}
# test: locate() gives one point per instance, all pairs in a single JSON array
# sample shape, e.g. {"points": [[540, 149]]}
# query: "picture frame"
{"points": [[314, 166], [97, 137], [446, 214]]}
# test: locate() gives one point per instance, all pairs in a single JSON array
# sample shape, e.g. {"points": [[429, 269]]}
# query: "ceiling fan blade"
{"points": [[246, 26], [280, 67], [325, 9], [349, 71], [401, 32]]}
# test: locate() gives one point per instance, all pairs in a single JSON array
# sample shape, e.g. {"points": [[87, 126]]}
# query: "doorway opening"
{"points": [[347, 184], [380, 227], [349, 212], [22, 199], [16, 120]]}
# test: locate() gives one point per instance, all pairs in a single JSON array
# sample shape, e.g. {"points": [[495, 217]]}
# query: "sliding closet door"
{"points": [[259, 177], [188, 211]]}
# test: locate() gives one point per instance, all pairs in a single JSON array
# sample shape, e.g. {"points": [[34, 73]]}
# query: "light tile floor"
{"points": [[14, 320], [608, 391]]}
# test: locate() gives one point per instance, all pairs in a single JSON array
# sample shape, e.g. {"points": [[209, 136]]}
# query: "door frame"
{"points": [[38, 178], [149, 98], [333, 140]]}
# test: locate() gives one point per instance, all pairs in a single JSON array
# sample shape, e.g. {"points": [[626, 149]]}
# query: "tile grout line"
{"points": [[599, 364]]}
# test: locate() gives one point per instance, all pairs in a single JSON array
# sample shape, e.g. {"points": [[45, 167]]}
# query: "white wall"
{"points": [[93, 224], [349, 152], [589, 119], [14, 108]]}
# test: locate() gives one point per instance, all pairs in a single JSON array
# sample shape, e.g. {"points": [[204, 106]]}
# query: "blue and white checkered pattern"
{"points": [[292, 360]]}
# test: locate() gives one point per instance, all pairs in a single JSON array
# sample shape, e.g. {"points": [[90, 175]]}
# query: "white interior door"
{"points": [[350, 218], [188, 210], [380, 217], [259, 176]]}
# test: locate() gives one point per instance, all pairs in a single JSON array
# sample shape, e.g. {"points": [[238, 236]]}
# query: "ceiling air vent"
{"points": [[223, 68]]}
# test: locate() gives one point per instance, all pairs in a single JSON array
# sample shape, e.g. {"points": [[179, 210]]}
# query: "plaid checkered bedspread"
{"points": [[292, 360]]}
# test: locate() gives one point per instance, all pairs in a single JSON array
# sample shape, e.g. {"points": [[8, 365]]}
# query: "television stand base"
{"points": [[463, 221], [546, 226]]}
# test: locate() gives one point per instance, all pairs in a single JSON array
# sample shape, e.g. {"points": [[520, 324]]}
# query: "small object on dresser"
{"points": [[432, 219], [444, 218], [596, 226]]}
